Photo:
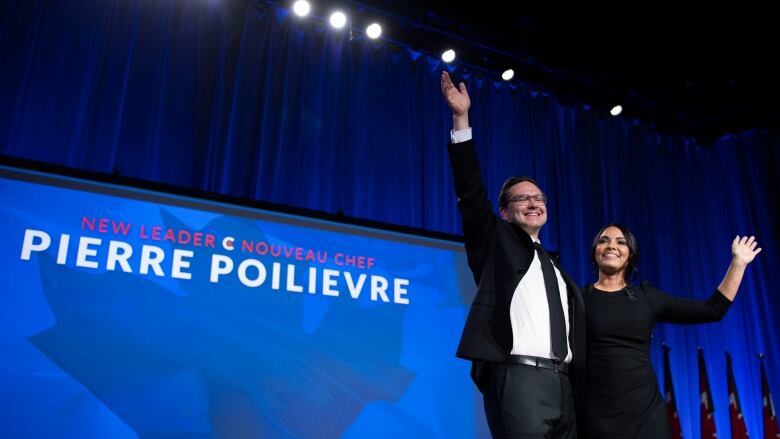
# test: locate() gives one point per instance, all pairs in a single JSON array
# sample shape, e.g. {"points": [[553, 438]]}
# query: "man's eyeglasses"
{"points": [[523, 198]]}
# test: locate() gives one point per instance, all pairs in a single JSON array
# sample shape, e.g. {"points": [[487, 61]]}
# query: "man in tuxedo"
{"points": [[525, 332]]}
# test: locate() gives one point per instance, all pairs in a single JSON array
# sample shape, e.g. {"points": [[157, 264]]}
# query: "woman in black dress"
{"points": [[623, 398]]}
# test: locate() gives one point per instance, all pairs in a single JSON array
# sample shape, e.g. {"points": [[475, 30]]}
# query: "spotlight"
{"points": [[616, 110], [338, 19], [374, 30], [301, 8], [508, 74], [448, 56]]}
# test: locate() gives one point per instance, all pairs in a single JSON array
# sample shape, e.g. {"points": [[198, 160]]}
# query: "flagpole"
{"points": [[707, 410], [736, 419], [669, 396], [771, 428]]}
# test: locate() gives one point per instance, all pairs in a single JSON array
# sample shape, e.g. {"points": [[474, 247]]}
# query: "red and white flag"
{"points": [[671, 403], [771, 430], [707, 411], [738, 427]]}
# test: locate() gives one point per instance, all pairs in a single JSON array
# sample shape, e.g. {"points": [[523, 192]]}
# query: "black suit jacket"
{"points": [[499, 254]]}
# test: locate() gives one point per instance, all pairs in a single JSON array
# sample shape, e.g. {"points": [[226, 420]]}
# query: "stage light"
{"points": [[448, 56], [616, 110], [301, 8], [508, 74], [338, 19], [374, 31]]}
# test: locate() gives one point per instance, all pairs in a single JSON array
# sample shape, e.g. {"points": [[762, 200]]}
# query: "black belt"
{"points": [[544, 363]]}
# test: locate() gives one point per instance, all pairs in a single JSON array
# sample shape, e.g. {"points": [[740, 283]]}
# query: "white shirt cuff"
{"points": [[460, 136]]}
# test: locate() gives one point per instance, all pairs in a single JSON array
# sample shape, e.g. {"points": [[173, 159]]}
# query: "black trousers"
{"points": [[527, 402]]}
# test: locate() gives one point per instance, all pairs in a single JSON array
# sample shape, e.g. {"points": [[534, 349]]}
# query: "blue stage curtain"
{"points": [[242, 98]]}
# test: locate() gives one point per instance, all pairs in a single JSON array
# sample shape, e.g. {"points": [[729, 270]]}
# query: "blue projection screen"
{"points": [[134, 313]]}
